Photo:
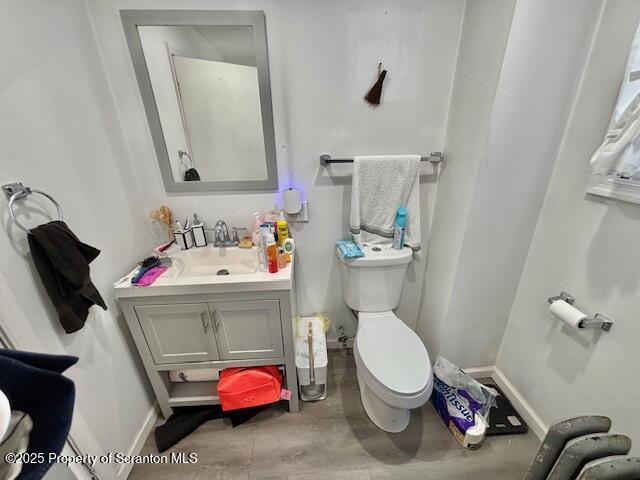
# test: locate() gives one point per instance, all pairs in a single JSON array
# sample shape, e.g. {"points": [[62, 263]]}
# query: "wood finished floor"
{"points": [[334, 439]]}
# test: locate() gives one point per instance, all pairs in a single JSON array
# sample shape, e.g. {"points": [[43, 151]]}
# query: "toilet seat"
{"points": [[392, 360]]}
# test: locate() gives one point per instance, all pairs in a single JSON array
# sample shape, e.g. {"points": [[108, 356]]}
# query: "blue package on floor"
{"points": [[349, 249]]}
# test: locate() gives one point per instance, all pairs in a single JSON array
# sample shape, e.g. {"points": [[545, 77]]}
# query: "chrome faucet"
{"points": [[221, 236]]}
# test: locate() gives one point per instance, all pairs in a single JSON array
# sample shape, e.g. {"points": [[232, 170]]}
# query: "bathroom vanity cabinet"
{"points": [[176, 326], [242, 329]]}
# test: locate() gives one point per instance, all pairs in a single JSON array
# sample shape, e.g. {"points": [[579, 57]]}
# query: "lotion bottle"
{"points": [[262, 247], [398, 229], [282, 227], [272, 254]]}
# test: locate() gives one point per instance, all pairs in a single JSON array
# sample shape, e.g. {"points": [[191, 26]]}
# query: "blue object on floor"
{"points": [[349, 249], [33, 384]]}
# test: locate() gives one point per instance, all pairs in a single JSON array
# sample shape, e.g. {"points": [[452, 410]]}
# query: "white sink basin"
{"points": [[195, 271], [207, 261]]}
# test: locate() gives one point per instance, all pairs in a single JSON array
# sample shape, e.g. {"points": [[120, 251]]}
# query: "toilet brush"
{"points": [[312, 370], [312, 391]]}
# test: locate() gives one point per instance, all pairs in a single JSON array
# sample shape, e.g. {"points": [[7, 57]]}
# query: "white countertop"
{"points": [[185, 285]]}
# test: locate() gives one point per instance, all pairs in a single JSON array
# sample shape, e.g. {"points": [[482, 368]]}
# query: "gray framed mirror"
{"points": [[204, 82]]}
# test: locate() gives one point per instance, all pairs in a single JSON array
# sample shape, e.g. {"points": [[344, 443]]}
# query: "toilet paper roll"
{"points": [[569, 314]]}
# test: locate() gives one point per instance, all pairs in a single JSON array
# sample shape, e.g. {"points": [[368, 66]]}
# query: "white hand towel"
{"points": [[381, 185]]}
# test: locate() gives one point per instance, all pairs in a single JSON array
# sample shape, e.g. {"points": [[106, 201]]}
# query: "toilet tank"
{"points": [[373, 283]]}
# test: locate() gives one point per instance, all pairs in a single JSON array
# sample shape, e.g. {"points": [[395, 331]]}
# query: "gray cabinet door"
{"points": [[247, 329], [178, 333]]}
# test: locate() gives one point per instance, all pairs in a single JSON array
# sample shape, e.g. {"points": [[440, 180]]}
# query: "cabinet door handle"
{"points": [[205, 322], [216, 322]]}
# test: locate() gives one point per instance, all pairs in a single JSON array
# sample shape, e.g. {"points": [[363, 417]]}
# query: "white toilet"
{"points": [[392, 364]]}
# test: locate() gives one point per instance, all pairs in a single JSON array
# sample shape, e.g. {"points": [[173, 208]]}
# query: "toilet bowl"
{"points": [[393, 370], [392, 364]]}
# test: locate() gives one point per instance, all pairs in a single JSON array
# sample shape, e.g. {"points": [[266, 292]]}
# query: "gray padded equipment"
{"points": [[612, 468], [558, 436], [582, 450]]}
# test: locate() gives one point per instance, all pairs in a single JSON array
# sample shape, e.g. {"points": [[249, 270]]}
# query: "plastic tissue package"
{"points": [[349, 249], [462, 402]]}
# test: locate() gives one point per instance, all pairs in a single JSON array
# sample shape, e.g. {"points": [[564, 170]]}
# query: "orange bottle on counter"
{"points": [[272, 254]]}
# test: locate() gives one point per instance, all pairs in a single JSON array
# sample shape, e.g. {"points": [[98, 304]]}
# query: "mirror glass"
{"points": [[207, 95]]}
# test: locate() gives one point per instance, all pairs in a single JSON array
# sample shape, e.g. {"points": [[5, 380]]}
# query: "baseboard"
{"points": [[522, 406], [334, 344], [480, 372], [138, 442], [515, 397]]}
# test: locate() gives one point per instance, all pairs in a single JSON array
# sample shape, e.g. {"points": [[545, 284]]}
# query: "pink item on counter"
{"points": [[164, 246], [150, 276]]}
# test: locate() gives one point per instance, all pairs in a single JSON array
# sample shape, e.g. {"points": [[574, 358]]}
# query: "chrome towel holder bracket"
{"points": [[563, 296], [17, 191]]}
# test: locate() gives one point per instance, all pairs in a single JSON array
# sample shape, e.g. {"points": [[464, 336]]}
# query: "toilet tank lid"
{"points": [[379, 256]]}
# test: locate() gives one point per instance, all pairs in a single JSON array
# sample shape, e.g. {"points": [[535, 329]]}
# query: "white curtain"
{"points": [[619, 153]]}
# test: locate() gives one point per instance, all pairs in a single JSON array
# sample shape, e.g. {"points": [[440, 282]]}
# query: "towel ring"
{"points": [[183, 154], [17, 191]]}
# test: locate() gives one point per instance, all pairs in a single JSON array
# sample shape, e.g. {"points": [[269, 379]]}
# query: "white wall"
{"points": [[323, 58], [485, 32], [535, 90], [539, 77], [588, 247], [505, 127], [60, 133]]}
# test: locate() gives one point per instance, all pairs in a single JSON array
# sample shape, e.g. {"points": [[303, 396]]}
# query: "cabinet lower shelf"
{"points": [[185, 394], [250, 362], [193, 393]]}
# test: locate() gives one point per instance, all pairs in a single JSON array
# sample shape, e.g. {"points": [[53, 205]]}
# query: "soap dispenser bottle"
{"points": [[255, 228], [398, 228]]}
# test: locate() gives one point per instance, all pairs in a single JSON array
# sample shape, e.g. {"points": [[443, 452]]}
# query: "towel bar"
{"points": [[326, 159]]}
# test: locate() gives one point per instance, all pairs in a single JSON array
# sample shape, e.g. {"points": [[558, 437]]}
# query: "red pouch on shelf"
{"points": [[249, 387]]}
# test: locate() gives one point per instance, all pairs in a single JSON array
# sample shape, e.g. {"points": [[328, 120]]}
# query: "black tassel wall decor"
{"points": [[373, 96]]}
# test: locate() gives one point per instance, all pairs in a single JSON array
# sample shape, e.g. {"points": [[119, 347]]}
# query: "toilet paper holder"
{"points": [[563, 296], [597, 321]]}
